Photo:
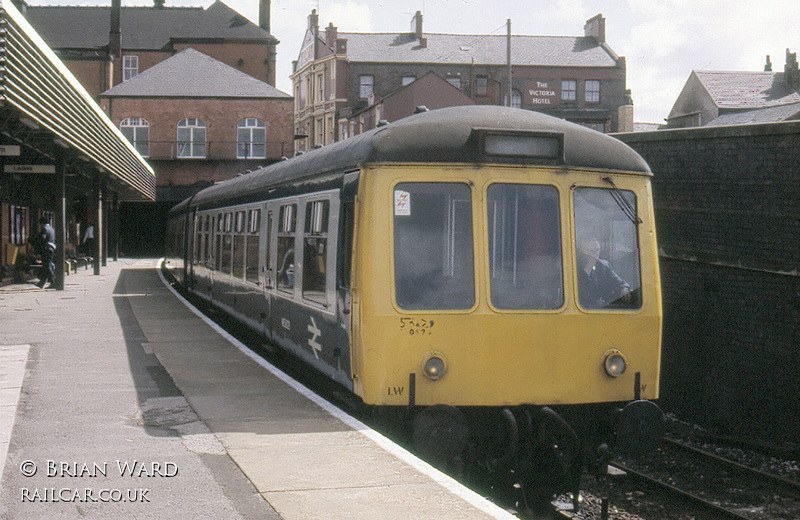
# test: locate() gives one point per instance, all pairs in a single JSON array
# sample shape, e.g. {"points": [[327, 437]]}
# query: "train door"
{"points": [[266, 268], [192, 246]]}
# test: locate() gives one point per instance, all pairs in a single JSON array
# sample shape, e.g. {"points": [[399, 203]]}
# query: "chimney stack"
{"points": [[596, 28], [790, 71], [158, 4], [263, 14], [331, 34], [114, 34]]}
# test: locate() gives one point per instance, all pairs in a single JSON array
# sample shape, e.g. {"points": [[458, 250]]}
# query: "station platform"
{"points": [[119, 400]]}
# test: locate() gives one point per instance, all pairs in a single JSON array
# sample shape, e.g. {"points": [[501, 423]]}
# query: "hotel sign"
{"points": [[542, 93]]}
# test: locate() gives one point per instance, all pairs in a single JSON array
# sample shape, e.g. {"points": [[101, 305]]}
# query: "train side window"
{"points": [[315, 251], [433, 246], [237, 256], [268, 254], [525, 246], [207, 232], [253, 228], [287, 223], [346, 244], [607, 249], [227, 242], [218, 243]]}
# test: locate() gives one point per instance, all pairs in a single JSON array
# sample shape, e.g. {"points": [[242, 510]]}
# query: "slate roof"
{"points": [[142, 28], [747, 90], [763, 115], [557, 51], [191, 73]]}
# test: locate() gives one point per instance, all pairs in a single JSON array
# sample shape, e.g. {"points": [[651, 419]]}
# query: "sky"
{"points": [[662, 40]]}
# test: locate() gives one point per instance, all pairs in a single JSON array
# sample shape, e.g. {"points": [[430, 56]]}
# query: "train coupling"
{"points": [[640, 428]]}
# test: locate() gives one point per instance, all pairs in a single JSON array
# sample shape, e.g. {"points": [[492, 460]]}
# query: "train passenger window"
{"points": [[315, 251], [286, 246], [238, 246], [207, 230], [525, 247], [433, 246], [227, 242], [607, 249], [253, 228]]}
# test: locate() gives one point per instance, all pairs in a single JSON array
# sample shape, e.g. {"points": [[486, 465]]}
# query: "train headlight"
{"points": [[434, 367], [614, 363]]}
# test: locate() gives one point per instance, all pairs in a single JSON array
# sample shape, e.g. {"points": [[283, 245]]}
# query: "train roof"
{"points": [[445, 135]]}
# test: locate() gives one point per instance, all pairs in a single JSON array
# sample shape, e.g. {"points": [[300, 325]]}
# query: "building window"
{"points": [[130, 67], [137, 131], [365, 90], [481, 85], [408, 79], [592, 91], [319, 79], [191, 138], [569, 90], [251, 137], [319, 125], [516, 99], [455, 81]]}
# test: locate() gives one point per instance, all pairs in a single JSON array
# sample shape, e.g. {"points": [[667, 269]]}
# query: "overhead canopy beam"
{"points": [[43, 93]]}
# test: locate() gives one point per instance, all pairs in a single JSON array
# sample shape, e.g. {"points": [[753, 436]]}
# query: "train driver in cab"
{"points": [[598, 284]]}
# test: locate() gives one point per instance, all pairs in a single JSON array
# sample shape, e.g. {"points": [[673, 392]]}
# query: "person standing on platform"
{"points": [[88, 241], [47, 248]]}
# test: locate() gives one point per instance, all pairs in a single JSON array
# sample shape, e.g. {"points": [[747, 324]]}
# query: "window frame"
{"points": [[251, 126], [366, 86], [592, 95], [197, 130], [130, 66], [136, 126]]}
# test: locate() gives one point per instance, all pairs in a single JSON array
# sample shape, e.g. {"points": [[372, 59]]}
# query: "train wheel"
{"points": [[440, 436]]}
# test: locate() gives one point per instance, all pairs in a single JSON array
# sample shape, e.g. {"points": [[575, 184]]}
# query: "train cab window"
{"points": [[253, 228], [607, 249], [287, 223], [315, 251], [525, 247], [433, 246]]}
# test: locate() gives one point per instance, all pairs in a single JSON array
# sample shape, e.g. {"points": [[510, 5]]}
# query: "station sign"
{"points": [[30, 168], [546, 92], [9, 150]]}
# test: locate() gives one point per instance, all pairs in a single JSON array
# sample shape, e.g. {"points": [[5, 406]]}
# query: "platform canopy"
{"points": [[46, 110]]}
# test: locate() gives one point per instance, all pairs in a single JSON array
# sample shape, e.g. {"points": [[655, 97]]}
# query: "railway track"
{"points": [[711, 486]]}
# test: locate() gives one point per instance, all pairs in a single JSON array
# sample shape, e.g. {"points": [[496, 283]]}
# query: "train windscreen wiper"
{"points": [[622, 202]]}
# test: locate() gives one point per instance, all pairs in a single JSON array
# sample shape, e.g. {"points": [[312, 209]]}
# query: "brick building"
{"points": [[721, 98], [338, 75], [200, 121], [104, 46], [726, 202], [192, 88]]}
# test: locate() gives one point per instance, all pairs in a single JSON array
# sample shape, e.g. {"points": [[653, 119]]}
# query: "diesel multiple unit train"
{"points": [[488, 274]]}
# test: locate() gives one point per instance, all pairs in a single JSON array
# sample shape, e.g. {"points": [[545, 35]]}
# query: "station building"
{"points": [[61, 158], [339, 77]]}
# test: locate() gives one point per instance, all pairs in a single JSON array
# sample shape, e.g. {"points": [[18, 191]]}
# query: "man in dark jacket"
{"points": [[598, 284], [47, 248]]}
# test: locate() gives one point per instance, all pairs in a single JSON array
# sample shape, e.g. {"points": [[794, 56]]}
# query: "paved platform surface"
{"points": [[119, 401]]}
